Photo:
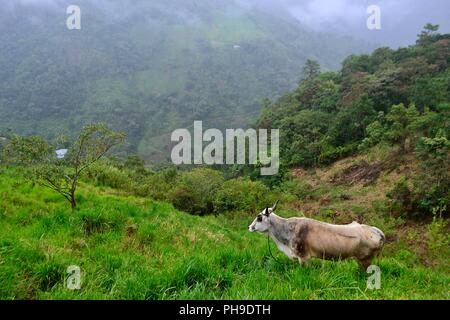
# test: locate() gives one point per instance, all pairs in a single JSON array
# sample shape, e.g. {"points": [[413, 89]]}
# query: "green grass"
{"points": [[136, 248]]}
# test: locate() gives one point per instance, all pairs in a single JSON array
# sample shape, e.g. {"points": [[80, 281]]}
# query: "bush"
{"points": [[331, 154], [438, 237], [194, 191], [159, 185], [374, 135], [433, 183], [106, 175], [400, 198], [299, 189], [241, 194]]}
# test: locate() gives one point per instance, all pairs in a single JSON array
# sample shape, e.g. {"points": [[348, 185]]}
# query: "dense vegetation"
{"points": [[149, 67], [395, 97]]}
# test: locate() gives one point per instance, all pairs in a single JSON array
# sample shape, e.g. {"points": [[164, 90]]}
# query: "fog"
{"points": [[401, 20]]}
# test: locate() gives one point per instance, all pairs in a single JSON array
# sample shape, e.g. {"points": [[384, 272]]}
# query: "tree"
{"points": [[320, 93], [399, 125], [311, 69], [433, 182], [62, 175], [350, 123], [429, 32]]}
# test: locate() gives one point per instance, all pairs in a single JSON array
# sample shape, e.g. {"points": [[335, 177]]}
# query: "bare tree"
{"points": [[62, 175]]}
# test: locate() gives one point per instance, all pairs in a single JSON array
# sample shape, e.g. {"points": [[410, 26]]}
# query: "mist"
{"points": [[401, 20]]}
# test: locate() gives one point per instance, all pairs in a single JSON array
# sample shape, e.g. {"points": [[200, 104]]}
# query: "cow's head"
{"points": [[262, 222]]}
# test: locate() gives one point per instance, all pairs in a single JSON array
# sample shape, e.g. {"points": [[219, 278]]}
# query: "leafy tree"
{"points": [[428, 33], [311, 69], [430, 91], [136, 164], [62, 175], [357, 63], [433, 183], [374, 134], [301, 135], [399, 125], [27, 150], [381, 55], [350, 123], [319, 93]]}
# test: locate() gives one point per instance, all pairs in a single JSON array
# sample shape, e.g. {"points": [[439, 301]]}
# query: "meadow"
{"points": [[132, 247]]}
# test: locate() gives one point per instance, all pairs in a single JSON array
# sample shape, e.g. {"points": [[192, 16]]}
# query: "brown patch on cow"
{"points": [[299, 242]]}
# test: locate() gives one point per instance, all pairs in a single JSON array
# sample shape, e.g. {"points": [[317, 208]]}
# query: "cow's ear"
{"points": [[266, 212]]}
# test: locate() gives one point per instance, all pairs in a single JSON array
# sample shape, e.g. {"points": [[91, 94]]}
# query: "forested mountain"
{"points": [[331, 114], [148, 67], [397, 98]]}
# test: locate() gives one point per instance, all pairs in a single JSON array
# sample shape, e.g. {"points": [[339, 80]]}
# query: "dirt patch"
{"points": [[303, 175], [362, 173]]}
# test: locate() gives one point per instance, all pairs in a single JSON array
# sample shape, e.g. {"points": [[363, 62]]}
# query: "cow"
{"points": [[303, 238]]}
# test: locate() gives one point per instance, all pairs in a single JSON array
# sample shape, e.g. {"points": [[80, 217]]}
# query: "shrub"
{"points": [[400, 198], [329, 154], [298, 188], [433, 183], [241, 194], [159, 185], [438, 241], [194, 191], [104, 174], [374, 135]]}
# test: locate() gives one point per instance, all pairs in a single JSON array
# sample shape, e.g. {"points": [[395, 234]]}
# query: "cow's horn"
{"points": [[275, 205]]}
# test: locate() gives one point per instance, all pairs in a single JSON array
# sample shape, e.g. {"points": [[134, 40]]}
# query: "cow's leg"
{"points": [[303, 260], [365, 263]]}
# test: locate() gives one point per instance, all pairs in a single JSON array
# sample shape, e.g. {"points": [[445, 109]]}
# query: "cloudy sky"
{"points": [[401, 20]]}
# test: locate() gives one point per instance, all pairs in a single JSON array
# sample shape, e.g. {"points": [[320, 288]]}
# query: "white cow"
{"points": [[303, 238]]}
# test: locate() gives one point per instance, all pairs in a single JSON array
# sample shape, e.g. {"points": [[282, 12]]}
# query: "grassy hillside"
{"points": [[135, 248]]}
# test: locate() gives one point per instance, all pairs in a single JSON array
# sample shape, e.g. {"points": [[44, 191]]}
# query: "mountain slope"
{"points": [[150, 67]]}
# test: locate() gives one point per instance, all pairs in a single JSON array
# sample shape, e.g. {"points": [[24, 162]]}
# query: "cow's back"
{"points": [[329, 241]]}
